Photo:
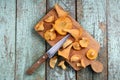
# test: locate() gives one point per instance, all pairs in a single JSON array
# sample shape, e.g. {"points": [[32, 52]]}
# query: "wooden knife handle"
{"points": [[37, 64]]}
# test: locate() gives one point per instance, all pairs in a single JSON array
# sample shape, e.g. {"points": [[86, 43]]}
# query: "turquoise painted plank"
{"points": [[29, 45], [84, 18], [113, 39], [100, 34], [57, 73], [68, 5], [7, 39], [91, 15]]}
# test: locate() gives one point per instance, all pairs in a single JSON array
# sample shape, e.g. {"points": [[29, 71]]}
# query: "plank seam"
{"points": [[46, 46], [76, 10], [107, 4], [15, 38], [76, 20]]}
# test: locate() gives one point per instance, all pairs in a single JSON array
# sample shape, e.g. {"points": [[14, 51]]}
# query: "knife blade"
{"points": [[50, 53]]}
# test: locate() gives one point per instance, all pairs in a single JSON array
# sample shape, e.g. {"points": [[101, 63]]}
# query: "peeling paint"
{"points": [[102, 26]]}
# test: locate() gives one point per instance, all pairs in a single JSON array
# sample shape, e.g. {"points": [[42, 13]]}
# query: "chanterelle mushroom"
{"points": [[60, 11], [91, 54], [49, 19], [76, 33], [39, 26], [50, 34], [84, 42], [67, 43], [62, 23], [62, 65], [53, 61], [65, 52], [76, 46]]}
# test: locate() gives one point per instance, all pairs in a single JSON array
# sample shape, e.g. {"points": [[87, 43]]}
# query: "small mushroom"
{"points": [[76, 46], [62, 65], [39, 26], [49, 19], [91, 54], [65, 52], [81, 64], [50, 35], [53, 61], [78, 64], [84, 42]]}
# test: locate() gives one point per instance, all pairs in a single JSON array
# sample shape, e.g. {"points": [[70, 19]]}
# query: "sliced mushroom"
{"points": [[67, 43], [75, 57]]}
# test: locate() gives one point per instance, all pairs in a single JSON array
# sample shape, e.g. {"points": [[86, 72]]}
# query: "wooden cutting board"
{"points": [[92, 42]]}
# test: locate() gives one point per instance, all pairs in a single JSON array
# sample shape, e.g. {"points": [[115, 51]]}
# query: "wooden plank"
{"points": [[113, 39], [29, 45], [92, 16], [100, 34], [7, 39], [57, 73]]}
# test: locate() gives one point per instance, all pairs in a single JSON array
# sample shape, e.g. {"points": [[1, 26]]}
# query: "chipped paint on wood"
{"points": [[7, 39], [102, 26], [113, 39], [92, 16], [29, 45]]}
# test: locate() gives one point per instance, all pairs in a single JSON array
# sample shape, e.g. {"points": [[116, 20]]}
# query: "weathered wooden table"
{"points": [[21, 46]]}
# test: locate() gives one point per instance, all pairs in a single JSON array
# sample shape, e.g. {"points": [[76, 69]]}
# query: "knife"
{"points": [[50, 53]]}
